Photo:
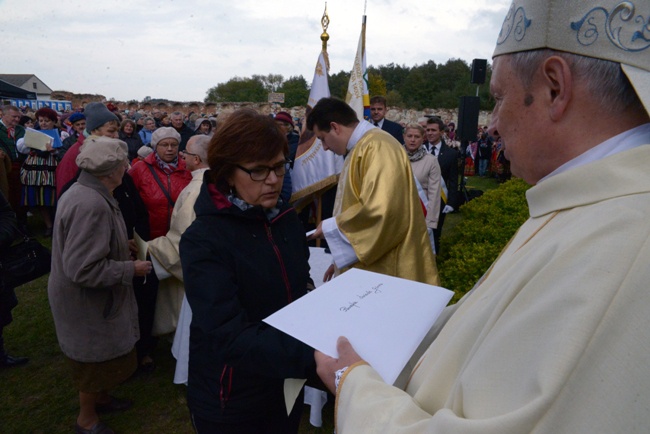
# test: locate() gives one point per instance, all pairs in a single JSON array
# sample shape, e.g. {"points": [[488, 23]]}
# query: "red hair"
{"points": [[244, 137]]}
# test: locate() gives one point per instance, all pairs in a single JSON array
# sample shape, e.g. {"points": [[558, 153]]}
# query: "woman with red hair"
{"points": [[244, 257], [37, 173]]}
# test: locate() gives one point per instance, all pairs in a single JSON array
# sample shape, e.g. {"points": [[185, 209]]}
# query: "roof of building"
{"points": [[16, 79], [9, 90]]}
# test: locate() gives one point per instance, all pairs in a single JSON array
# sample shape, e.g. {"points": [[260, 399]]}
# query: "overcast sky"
{"points": [[178, 49]]}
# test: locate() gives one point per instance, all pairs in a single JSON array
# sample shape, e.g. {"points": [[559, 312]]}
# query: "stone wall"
{"points": [[394, 113]]}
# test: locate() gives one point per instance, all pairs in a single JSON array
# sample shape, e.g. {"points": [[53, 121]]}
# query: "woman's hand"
{"points": [[318, 233], [133, 248], [329, 273], [142, 268]]}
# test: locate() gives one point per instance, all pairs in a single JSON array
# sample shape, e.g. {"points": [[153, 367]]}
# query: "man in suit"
{"points": [[11, 160], [448, 161], [378, 113]]}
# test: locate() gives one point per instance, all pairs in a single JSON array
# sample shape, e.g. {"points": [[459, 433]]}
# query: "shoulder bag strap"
{"points": [[160, 184]]}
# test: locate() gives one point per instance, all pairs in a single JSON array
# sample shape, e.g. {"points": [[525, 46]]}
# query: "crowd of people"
{"points": [[183, 228]]}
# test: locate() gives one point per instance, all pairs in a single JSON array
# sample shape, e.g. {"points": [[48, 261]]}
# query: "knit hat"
{"points": [[144, 151], [284, 117], [199, 121], [75, 117], [99, 156], [97, 115], [47, 112], [164, 133], [603, 29]]}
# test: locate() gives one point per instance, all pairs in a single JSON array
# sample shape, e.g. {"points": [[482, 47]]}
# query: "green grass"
{"points": [[476, 182]]}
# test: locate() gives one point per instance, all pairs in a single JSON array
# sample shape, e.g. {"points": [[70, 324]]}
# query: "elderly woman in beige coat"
{"points": [[90, 289], [427, 171]]}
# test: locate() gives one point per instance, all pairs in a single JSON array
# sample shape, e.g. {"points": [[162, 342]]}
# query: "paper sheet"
{"points": [[385, 318], [142, 246], [56, 137], [292, 388], [37, 140]]}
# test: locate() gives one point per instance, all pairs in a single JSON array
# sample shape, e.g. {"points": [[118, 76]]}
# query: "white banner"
{"points": [[316, 168], [358, 96]]}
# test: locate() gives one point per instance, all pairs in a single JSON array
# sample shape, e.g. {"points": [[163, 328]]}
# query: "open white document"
{"points": [[385, 318], [37, 140]]}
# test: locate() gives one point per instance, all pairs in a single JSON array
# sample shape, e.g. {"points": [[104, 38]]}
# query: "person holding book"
{"points": [[38, 172]]}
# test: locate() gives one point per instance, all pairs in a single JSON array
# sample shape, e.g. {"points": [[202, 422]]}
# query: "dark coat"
{"points": [[186, 133], [8, 233], [448, 161], [8, 144], [133, 142], [394, 129], [239, 268], [484, 149]]}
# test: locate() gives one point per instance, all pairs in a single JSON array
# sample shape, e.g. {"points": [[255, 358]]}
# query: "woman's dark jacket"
{"points": [[8, 233], [133, 142], [239, 268]]}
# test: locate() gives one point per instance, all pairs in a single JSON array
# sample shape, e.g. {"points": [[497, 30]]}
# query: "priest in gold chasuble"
{"points": [[378, 222]]}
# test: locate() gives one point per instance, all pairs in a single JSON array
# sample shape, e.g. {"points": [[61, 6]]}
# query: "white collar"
{"points": [[622, 142], [361, 129], [199, 171]]}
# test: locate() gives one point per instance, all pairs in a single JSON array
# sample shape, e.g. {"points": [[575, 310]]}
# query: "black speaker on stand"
{"points": [[479, 67], [468, 118], [466, 132]]}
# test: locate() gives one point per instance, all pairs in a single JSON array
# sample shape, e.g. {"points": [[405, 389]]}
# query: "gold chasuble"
{"points": [[381, 214]]}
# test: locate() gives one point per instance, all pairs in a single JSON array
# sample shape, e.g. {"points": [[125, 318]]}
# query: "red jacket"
{"points": [[67, 168], [160, 210]]}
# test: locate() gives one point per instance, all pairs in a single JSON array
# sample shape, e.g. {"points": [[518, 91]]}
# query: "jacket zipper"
{"points": [[224, 396], [285, 277]]}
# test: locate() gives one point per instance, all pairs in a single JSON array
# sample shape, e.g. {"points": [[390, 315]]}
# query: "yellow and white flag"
{"points": [[315, 168], [358, 96]]}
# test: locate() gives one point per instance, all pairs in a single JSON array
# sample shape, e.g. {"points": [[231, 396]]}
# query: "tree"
{"points": [[238, 90], [376, 84], [420, 86], [393, 75], [429, 85], [296, 91], [271, 82], [394, 99], [339, 84]]}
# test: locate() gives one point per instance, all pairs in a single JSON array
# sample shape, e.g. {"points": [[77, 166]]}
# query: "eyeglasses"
{"points": [[168, 145], [260, 173], [184, 153]]}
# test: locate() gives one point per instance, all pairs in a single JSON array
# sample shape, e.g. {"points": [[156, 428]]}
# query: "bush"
{"points": [[488, 222]]}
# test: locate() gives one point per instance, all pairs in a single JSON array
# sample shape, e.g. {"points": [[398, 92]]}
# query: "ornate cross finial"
{"points": [[325, 22]]}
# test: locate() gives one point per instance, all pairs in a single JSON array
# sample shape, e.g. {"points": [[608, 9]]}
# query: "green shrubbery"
{"points": [[488, 223]]}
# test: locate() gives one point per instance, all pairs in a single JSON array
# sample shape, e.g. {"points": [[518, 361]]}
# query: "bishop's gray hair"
{"points": [[605, 79]]}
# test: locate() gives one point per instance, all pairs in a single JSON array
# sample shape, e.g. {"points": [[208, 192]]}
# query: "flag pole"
{"points": [[324, 22]]}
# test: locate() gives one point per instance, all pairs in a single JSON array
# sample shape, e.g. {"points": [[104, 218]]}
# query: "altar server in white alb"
{"points": [[554, 337]]}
